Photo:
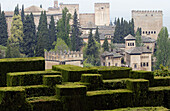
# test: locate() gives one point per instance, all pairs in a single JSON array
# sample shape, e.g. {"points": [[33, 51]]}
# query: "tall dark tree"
{"points": [[76, 41], [139, 30], [34, 30], [105, 45], [91, 54], [4, 32], [16, 11], [115, 21], [138, 38], [22, 14], [28, 44], [52, 33], [97, 36], [63, 27], [131, 23], [42, 36], [163, 48], [117, 33]]}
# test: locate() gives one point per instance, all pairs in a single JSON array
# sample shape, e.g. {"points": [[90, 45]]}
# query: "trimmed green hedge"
{"points": [[109, 99], [19, 65], [71, 73], [115, 83], [140, 91], [139, 109], [70, 90], [149, 75], [52, 80], [73, 97], [28, 78], [162, 81], [13, 99], [95, 80], [113, 72], [166, 95], [45, 103], [38, 90]]}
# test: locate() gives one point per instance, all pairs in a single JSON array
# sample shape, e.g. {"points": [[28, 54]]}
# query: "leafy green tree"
{"points": [[91, 51], [22, 14], [28, 44], [3, 31], [14, 41], [138, 39], [163, 48], [76, 40], [139, 30], [52, 32], [97, 36], [63, 27], [105, 45], [16, 11], [42, 36], [60, 45]]}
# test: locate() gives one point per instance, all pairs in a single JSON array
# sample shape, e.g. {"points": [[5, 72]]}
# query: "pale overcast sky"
{"points": [[118, 8]]}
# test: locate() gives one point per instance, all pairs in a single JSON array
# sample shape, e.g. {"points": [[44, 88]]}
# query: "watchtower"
{"points": [[150, 22], [102, 14]]}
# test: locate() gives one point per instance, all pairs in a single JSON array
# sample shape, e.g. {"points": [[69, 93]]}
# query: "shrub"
{"points": [[71, 73], [45, 103], [28, 78], [52, 80], [162, 81], [20, 65]]}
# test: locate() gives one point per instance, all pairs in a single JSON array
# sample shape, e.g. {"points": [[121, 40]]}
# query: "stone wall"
{"points": [[87, 18], [151, 22]]}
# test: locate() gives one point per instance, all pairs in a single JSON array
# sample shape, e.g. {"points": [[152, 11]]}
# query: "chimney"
{"points": [[55, 3]]}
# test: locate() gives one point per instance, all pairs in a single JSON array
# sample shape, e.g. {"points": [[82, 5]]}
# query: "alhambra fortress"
{"points": [[139, 58]]}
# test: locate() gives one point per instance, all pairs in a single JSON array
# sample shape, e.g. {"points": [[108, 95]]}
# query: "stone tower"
{"points": [[102, 14], [55, 3], [151, 22]]}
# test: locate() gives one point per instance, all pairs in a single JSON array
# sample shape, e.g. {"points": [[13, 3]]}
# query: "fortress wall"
{"points": [[86, 18], [151, 22], [102, 14]]}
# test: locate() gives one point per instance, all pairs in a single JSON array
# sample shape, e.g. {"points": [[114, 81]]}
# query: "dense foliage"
{"points": [[123, 28], [52, 33], [3, 27], [91, 53], [106, 45], [97, 36], [163, 49], [76, 41], [15, 40], [163, 71], [63, 27]]}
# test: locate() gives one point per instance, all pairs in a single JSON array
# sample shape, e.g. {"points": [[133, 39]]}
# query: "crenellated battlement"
{"points": [[64, 56], [146, 11]]}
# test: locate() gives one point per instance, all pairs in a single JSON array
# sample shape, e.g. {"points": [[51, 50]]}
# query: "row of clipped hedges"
{"points": [[72, 73], [28, 78], [19, 65]]}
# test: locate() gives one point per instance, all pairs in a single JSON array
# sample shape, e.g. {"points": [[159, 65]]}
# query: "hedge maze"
{"points": [[25, 85]]}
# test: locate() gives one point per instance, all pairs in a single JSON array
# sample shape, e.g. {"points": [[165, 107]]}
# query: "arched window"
{"points": [[143, 64], [143, 32], [135, 66], [109, 63], [151, 32], [146, 32], [147, 47], [154, 32]]}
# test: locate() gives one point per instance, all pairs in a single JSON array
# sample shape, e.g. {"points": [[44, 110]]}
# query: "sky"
{"points": [[118, 8]]}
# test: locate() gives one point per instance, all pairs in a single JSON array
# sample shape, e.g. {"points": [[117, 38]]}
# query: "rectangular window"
{"points": [[103, 63], [147, 64]]}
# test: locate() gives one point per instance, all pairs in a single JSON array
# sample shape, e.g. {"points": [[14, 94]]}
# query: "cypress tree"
{"points": [[63, 27], [97, 36], [34, 30], [105, 45], [117, 33], [138, 39], [92, 51], [132, 32], [15, 40], [16, 11], [29, 37], [76, 41], [22, 14], [52, 33], [3, 32], [163, 48], [42, 36]]}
